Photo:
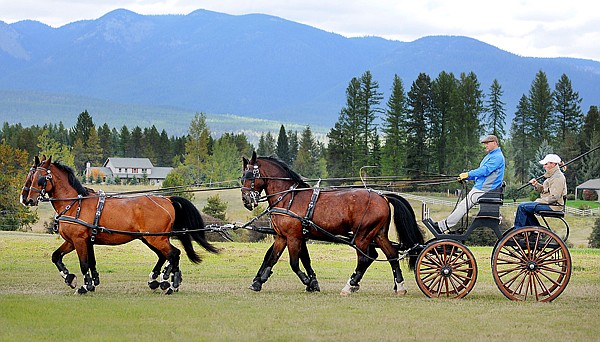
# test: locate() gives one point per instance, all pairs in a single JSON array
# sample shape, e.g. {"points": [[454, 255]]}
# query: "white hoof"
{"points": [[401, 289], [349, 289]]}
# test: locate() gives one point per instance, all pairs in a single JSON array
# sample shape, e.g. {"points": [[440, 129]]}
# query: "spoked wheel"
{"points": [[531, 264], [446, 268]]}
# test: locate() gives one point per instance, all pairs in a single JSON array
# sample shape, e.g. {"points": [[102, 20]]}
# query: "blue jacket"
{"points": [[490, 173]]}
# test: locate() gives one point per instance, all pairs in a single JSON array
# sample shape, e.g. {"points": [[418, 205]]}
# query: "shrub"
{"points": [[590, 195], [594, 239]]}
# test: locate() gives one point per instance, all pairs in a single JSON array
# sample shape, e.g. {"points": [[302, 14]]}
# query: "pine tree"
{"points": [[394, 129], [543, 123], [419, 102], [496, 115], [307, 160], [443, 94], [370, 98], [124, 145], [136, 142], [266, 145], [283, 146], [105, 139], [82, 127], [520, 140], [197, 146], [567, 105]]}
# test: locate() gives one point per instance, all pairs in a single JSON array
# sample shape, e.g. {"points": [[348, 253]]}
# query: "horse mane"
{"points": [[73, 181], [293, 175]]}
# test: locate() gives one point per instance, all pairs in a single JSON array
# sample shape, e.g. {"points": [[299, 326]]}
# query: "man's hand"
{"points": [[463, 176]]}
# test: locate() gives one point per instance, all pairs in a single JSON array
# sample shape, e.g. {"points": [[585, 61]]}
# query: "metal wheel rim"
{"points": [[447, 269], [531, 264]]}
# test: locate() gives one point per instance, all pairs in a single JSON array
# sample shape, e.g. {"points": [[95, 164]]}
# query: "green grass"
{"points": [[215, 304], [578, 203]]}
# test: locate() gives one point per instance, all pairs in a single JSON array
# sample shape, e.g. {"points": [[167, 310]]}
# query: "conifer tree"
{"points": [[543, 122], [283, 146], [519, 139], [495, 112], [419, 110], [394, 130], [443, 94]]}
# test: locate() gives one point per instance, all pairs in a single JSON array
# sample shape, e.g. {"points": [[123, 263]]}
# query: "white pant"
{"points": [[461, 209]]}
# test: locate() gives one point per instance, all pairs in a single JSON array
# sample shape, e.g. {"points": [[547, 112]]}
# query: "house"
{"points": [[592, 184], [128, 168]]}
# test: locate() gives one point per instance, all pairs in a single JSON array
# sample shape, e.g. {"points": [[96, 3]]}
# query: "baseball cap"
{"points": [[550, 158]]}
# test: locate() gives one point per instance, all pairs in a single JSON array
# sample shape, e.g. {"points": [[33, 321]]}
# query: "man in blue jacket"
{"points": [[488, 176]]}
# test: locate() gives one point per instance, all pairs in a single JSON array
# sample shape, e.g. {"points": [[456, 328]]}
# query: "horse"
{"points": [[299, 212], [83, 217]]}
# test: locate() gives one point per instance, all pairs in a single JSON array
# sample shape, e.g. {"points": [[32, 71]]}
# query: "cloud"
{"points": [[550, 28]]}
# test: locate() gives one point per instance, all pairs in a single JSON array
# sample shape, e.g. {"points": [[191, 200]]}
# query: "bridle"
{"points": [[252, 194], [42, 182]]}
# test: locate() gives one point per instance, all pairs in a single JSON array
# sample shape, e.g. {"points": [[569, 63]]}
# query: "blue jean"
{"points": [[526, 214]]}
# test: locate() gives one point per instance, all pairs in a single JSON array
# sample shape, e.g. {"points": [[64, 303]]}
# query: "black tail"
{"points": [[187, 217], [406, 225]]}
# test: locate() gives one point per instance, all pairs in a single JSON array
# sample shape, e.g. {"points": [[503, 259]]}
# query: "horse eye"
{"points": [[41, 181]]}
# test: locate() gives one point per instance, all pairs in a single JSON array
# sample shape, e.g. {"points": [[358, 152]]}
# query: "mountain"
{"points": [[156, 68]]}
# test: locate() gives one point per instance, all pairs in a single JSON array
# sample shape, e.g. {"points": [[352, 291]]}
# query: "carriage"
{"points": [[529, 263]]}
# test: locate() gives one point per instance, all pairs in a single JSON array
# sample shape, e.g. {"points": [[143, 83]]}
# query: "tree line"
{"points": [[433, 128]]}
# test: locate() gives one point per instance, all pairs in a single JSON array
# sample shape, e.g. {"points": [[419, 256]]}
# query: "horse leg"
{"points": [[364, 261], [172, 267], [57, 257], [82, 248], [313, 284], [92, 265], [392, 254], [294, 249], [269, 261], [256, 283], [153, 277]]}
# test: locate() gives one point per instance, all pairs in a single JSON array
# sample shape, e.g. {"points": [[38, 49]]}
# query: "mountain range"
{"points": [[127, 68]]}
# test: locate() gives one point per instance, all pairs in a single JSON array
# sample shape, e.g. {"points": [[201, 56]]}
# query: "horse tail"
{"points": [[407, 229], [187, 217]]}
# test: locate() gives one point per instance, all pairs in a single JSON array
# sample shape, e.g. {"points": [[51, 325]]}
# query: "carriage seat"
{"points": [[494, 196], [490, 202], [555, 213]]}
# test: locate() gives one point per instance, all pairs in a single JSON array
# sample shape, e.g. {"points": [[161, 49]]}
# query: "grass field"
{"points": [[215, 304]]}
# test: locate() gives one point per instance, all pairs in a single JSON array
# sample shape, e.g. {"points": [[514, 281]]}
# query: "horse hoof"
{"points": [[349, 289], [82, 290], [71, 280], [154, 284], [400, 289], [91, 288], [256, 286], [313, 286], [164, 285], [168, 291]]}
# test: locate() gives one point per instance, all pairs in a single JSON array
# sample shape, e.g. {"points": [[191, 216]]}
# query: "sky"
{"points": [[530, 28]]}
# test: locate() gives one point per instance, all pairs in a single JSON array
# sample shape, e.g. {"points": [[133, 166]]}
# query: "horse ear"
{"points": [[253, 160], [245, 161], [49, 160], [36, 161]]}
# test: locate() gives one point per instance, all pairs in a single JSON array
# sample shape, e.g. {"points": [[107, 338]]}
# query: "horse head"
{"points": [[40, 182], [28, 181], [252, 183]]}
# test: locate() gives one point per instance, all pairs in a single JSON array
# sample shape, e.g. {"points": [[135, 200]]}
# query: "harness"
{"points": [[95, 227]]}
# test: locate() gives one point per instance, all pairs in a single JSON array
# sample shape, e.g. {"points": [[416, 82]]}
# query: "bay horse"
{"points": [[299, 212], [86, 218]]}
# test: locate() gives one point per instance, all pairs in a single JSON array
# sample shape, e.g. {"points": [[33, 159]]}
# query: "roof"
{"points": [[160, 172], [142, 163], [593, 184]]}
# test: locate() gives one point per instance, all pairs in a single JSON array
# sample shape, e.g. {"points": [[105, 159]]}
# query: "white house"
{"points": [[128, 168]]}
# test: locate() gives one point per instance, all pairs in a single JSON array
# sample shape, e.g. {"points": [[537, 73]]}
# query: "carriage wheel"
{"points": [[531, 263], [446, 268]]}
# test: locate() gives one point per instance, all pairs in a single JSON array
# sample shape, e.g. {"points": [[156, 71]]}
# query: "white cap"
{"points": [[550, 158]]}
